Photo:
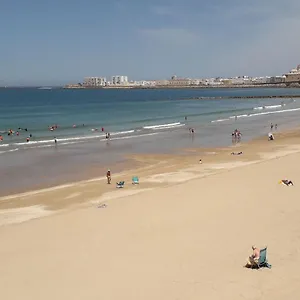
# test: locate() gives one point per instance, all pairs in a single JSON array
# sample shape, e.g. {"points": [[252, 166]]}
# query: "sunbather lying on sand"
{"points": [[236, 153], [253, 259], [287, 182], [103, 205]]}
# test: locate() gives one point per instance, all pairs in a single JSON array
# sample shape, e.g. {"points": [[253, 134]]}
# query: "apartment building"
{"points": [[119, 80], [94, 81]]}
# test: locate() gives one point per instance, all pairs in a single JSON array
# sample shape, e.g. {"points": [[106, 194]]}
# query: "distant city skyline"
{"points": [[58, 42]]}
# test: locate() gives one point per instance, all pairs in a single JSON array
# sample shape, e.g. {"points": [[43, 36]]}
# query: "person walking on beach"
{"points": [[108, 176]]}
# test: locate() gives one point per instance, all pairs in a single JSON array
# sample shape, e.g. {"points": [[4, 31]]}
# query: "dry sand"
{"points": [[184, 233]]}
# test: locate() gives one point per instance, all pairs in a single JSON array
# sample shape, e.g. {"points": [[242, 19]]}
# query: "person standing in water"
{"points": [[55, 140]]}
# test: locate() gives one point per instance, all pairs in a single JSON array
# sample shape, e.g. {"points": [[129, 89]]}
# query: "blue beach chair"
{"points": [[120, 184], [262, 262], [135, 180]]}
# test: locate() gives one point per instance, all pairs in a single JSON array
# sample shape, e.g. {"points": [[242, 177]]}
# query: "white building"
{"points": [[259, 80], [94, 81], [119, 80]]}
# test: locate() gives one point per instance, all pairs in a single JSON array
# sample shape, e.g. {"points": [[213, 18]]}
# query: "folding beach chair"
{"points": [[135, 180], [120, 184], [263, 262]]}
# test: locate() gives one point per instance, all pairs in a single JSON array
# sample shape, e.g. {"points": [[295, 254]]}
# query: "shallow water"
{"points": [[140, 121]]}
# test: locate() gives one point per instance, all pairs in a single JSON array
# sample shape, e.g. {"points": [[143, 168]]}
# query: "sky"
{"points": [[61, 41]]}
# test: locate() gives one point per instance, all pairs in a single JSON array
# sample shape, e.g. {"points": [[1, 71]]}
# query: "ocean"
{"points": [[139, 121]]}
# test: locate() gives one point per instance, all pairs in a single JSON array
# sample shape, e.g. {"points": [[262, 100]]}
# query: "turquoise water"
{"points": [[138, 120]]}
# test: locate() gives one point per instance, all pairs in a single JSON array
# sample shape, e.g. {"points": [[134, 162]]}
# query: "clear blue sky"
{"points": [[60, 41]]}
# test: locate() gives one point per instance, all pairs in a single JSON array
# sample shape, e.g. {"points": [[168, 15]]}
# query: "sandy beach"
{"points": [[183, 233]]}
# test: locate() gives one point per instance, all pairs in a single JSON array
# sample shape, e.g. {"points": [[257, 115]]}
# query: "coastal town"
{"points": [[290, 79]]}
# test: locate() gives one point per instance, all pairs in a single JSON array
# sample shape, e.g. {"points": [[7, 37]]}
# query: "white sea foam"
{"points": [[37, 146], [258, 114], [131, 136], [269, 107], [275, 112], [4, 145], [268, 113], [122, 132], [220, 120], [164, 126], [77, 138], [273, 106]]}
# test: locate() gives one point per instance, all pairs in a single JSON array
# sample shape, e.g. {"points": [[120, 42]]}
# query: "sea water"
{"points": [[139, 121]]}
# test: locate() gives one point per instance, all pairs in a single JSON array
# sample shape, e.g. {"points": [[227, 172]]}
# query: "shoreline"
{"points": [[243, 97], [154, 170], [280, 85]]}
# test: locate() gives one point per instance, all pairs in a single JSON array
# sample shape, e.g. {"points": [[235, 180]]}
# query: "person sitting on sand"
{"points": [[253, 259], [287, 182], [270, 136]]}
